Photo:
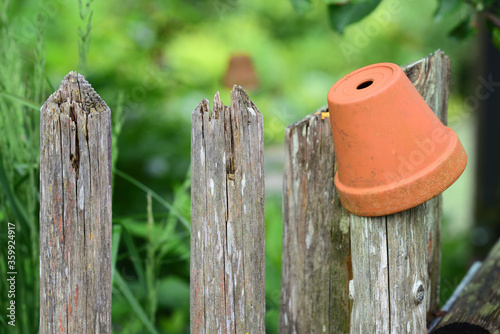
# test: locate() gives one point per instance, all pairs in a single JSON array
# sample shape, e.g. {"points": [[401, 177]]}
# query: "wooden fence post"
{"points": [[316, 263], [477, 308], [227, 217], [75, 210], [324, 246]]}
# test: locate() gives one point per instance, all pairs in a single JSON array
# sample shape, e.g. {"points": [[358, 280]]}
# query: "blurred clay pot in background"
{"points": [[241, 72], [392, 151]]}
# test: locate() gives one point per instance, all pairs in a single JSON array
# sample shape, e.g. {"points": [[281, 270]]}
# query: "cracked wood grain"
{"points": [[75, 210], [227, 217], [324, 246]]}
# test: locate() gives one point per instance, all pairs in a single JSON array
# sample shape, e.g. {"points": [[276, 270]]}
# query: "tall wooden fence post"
{"points": [[227, 217], [324, 246], [75, 210]]}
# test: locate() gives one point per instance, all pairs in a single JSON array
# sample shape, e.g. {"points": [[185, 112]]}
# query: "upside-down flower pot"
{"points": [[393, 153]]}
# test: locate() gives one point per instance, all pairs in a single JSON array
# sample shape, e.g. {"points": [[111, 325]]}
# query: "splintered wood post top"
{"points": [[227, 217], [75, 210]]}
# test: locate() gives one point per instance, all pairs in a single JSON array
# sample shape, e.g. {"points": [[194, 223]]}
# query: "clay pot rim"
{"points": [[357, 199], [452, 146]]}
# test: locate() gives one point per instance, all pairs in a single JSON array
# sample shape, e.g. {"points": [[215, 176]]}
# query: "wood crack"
{"points": [[75, 158]]}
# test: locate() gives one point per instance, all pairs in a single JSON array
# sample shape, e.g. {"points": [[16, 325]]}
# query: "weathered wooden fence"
{"points": [[341, 273], [75, 210]]}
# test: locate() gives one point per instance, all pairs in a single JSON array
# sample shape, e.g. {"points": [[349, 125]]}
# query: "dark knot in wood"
{"points": [[419, 293]]}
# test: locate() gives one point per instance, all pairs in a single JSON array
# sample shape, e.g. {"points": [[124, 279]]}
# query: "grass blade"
{"points": [[22, 100], [134, 304], [51, 86], [117, 234], [134, 256], [16, 207], [151, 263], [157, 197]]}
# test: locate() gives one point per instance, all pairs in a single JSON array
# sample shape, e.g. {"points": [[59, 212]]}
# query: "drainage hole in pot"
{"points": [[364, 84]]}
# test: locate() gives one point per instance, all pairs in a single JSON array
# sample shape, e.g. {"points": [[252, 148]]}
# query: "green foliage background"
{"points": [[152, 62]]}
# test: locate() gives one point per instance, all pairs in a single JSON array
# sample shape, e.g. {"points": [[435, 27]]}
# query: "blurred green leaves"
{"points": [[462, 30], [496, 37], [337, 2], [301, 5], [446, 8], [472, 12], [341, 15]]}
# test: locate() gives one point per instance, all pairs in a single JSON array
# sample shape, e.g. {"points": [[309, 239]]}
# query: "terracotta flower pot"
{"points": [[393, 153]]}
